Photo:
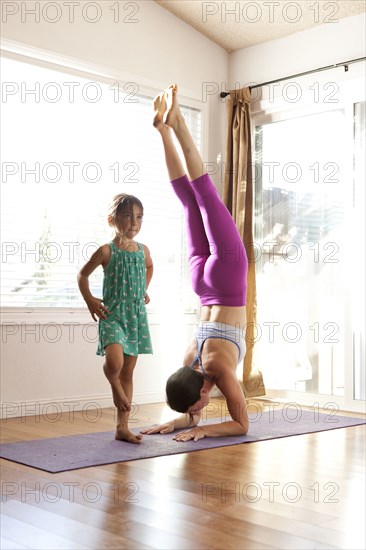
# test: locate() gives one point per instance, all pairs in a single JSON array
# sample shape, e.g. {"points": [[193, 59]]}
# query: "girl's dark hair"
{"points": [[120, 203], [183, 389]]}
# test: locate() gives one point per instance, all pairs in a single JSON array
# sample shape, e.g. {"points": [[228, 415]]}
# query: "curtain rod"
{"points": [[343, 64]]}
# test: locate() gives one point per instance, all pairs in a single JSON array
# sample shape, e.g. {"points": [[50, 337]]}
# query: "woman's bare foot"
{"points": [[173, 115], [124, 434], [166, 107], [159, 109]]}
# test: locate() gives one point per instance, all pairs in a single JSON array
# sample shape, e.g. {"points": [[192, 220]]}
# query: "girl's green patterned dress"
{"points": [[124, 289]]}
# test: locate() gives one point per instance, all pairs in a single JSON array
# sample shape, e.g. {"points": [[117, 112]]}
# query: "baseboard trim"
{"points": [[51, 409]]}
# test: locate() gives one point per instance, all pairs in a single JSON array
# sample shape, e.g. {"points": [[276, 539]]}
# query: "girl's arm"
{"points": [[95, 305], [149, 269]]}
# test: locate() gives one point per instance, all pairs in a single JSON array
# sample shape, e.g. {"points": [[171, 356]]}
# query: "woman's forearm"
{"points": [[186, 421], [223, 429]]}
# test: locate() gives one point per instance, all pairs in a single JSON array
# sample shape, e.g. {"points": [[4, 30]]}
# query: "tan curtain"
{"points": [[238, 196]]}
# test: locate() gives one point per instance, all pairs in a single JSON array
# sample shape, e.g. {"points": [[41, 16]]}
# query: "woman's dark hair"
{"points": [[183, 389]]}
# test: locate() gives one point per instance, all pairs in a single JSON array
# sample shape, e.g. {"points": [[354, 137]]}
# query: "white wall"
{"points": [[52, 367], [155, 50]]}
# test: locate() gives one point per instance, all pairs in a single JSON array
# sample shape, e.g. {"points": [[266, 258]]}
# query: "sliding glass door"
{"points": [[310, 333]]}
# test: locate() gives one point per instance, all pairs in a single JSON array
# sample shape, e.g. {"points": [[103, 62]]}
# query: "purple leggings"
{"points": [[217, 258]]}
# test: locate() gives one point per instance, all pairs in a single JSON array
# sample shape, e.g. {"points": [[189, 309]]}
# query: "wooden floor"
{"points": [[297, 492]]}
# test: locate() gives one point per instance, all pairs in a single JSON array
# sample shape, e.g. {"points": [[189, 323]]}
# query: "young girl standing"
{"points": [[123, 325]]}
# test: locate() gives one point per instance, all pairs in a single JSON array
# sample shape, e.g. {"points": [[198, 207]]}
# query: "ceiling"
{"points": [[234, 25]]}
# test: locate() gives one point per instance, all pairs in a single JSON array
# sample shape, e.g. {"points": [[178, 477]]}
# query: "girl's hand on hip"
{"points": [[96, 308], [190, 435]]}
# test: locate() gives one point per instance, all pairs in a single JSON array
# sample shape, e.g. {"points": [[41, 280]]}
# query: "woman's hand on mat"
{"points": [[162, 429], [191, 435], [97, 308]]}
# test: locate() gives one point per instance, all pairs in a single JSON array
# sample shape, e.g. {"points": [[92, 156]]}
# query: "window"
{"points": [[302, 196], [69, 145], [310, 238]]}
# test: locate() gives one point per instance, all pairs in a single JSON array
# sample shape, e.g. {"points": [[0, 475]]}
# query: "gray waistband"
{"points": [[214, 329]]}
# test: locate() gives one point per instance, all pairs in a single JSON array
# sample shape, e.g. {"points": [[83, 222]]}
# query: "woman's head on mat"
{"points": [[185, 391], [125, 215]]}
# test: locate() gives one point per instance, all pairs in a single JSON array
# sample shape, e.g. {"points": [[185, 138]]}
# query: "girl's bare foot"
{"points": [[124, 434], [119, 399], [166, 107]]}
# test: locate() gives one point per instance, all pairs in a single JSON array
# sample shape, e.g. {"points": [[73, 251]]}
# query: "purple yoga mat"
{"points": [[95, 449]]}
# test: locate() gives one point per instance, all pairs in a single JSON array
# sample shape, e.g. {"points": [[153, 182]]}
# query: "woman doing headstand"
{"points": [[218, 267]]}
